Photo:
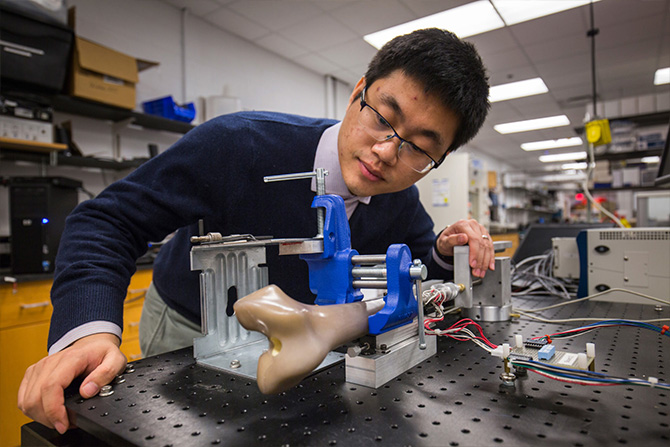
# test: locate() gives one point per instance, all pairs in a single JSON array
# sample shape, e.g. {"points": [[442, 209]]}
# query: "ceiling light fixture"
{"points": [[517, 89], [534, 124], [477, 18], [570, 166], [563, 157], [662, 76], [517, 11], [652, 159], [467, 20], [551, 144]]}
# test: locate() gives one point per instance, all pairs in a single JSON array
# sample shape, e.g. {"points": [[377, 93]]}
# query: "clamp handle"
{"points": [[320, 174]]}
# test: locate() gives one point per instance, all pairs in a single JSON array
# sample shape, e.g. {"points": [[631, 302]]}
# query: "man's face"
{"points": [[371, 167]]}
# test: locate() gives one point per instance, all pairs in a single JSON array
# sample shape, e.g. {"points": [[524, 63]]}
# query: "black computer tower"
{"points": [[38, 207]]}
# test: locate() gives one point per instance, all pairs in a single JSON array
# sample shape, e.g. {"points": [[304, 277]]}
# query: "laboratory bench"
{"points": [[455, 398]]}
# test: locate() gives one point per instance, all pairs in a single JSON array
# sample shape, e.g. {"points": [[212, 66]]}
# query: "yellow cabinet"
{"points": [[25, 310]]}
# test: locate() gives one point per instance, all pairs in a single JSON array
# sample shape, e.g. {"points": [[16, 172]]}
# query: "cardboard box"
{"points": [[104, 75]]}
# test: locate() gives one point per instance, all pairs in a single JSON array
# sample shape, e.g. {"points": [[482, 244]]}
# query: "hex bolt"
{"points": [[383, 348], [235, 364], [106, 391], [119, 379], [130, 369]]}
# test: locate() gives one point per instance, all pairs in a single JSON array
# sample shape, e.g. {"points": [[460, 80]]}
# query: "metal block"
{"points": [[375, 370], [492, 299]]}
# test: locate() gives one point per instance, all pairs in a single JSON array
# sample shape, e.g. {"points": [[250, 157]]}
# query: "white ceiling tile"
{"points": [[428, 7], [232, 22], [318, 34], [329, 5], [196, 7], [350, 54], [366, 17], [505, 60], [282, 46], [493, 42], [316, 63], [275, 15]]}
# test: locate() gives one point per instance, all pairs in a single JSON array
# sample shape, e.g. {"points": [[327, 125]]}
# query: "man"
{"points": [[424, 95]]}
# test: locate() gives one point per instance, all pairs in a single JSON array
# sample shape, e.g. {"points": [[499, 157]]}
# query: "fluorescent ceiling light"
{"points": [[654, 159], [517, 89], [569, 166], [535, 124], [517, 11], [477, 17], [563, 157], [467, 20], [551, 144], [662, 76]]}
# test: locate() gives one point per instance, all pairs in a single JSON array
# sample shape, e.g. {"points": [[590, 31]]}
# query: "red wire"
{"points": [[578, 382]]}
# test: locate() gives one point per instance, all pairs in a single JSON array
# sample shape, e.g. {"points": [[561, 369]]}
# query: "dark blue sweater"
{"points": [[214, 173]]}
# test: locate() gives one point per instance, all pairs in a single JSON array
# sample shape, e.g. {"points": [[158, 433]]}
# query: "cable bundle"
{"points": [[582, 377], [459, 331], [534, 276], [665, 330]]}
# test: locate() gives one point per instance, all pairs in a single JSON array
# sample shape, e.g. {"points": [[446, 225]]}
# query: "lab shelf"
{"points": [[76, 106]]}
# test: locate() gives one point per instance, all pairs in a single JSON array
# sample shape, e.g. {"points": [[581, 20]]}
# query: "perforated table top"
{"points": [[454, 398]]}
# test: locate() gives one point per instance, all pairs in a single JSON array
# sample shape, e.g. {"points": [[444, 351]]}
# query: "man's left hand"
{"points": [[471, 232]]}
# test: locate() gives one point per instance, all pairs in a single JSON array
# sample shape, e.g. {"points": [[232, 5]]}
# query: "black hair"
{"points": [[447, 67]]}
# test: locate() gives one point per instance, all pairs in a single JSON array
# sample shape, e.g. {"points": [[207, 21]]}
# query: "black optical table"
{"points": [[453, 399]]}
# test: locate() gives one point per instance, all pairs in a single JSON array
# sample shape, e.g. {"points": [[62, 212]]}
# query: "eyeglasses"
{"points": [[381, 130]]}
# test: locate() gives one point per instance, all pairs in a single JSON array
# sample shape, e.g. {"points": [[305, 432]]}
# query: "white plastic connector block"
{"points": [[591, 350], [505, 350], [518, 340], [653, 381], [582, 361], [498, 352]]}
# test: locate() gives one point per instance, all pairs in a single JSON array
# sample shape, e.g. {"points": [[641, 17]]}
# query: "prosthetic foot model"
{"points": [[300, 335]]}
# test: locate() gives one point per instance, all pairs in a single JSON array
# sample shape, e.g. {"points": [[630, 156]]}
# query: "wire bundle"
{"points": [[534, 276], [582, 377], [665, 330], [459, 331]]}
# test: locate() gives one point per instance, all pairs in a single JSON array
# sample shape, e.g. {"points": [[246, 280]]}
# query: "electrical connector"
{"points": [[535, 344], [546, 352]]}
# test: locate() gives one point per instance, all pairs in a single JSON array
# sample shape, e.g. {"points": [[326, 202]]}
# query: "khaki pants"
{"points": [[163, 329]]}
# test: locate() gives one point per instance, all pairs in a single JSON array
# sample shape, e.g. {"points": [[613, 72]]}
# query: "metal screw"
{"points": [[658, 308], [130, 368], [119, 379], [625, 279], [383, 348], [235, 364], [625, 258], [507, 378], [106, 391]]}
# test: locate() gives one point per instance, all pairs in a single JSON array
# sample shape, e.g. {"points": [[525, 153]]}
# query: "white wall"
{"points": [[216, 63], [449, 181]]}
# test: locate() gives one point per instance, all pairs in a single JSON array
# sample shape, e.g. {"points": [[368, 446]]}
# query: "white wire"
{"points": [[616, 289], [571, 320]]}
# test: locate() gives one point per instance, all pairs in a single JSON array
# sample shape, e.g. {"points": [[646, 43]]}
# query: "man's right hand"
{"points": [[41, 395]]}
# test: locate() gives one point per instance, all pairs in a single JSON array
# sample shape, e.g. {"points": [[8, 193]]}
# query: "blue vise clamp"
{"points": [[337, 274]]}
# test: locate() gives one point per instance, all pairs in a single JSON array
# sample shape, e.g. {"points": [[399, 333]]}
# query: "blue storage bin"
{"points": [[167, 108]]}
